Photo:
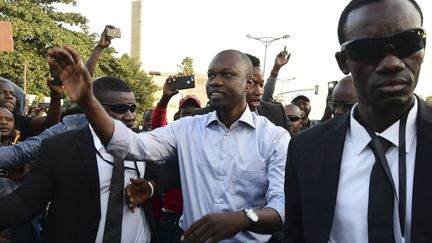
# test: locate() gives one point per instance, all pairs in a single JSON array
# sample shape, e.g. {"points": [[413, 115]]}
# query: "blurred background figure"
{"points": [[294, 116], [344, 97], [303, 103]]}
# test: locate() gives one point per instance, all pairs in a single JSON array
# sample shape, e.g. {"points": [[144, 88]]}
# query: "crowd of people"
{"points": [[239, 167]]}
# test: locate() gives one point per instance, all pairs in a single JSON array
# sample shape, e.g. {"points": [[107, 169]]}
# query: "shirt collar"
{"points": [[246, 118], [362, 137]]}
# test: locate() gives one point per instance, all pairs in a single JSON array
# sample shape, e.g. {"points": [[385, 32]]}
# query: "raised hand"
{"points": [[73, 73], [104, 40], [55, 89], [166, 89], [282, 58]]}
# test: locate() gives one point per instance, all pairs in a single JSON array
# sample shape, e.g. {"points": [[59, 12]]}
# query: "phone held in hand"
{"points": [[112, 32], [56, 76], [185, 82]]}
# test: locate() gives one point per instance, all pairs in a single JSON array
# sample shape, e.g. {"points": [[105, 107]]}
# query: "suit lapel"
{"points": [[88, 159], [421, 220], [333, 144]]}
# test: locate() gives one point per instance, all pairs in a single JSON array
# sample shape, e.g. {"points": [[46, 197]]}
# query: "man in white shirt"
{"points": [[231, 160], [332, 192]]}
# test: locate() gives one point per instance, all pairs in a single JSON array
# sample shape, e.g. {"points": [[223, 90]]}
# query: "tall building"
{"points": [[136, 29]]}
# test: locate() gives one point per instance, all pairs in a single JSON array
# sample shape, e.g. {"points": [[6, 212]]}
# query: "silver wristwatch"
{"points": [[251, 215]]}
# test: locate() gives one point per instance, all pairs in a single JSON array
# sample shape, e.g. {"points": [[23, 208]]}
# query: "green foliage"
{"points": [[187, 66], [128, 69], [38, 26]]}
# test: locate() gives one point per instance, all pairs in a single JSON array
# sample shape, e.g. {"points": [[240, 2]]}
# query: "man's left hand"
{"points": [[216, 227], [137, 193]]}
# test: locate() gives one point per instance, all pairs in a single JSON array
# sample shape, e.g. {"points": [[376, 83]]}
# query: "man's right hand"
{"points": [[73, 73], [104, 41], [167, 93], [166, 89], [282, 58]]}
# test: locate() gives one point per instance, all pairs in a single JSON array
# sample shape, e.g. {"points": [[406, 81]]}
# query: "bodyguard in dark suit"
{"points": [[72, 174], [365, 176]]}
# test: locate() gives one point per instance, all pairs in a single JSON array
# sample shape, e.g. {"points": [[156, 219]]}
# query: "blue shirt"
{"points": [[26, 151], [221, 169]]}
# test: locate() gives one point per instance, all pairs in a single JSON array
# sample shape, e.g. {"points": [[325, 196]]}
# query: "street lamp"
{"points": [[283, 81], [266, 41]]}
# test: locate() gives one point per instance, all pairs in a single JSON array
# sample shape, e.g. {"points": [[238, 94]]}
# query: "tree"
{"points": [[128, 69], [186, 66], [38, 26]]}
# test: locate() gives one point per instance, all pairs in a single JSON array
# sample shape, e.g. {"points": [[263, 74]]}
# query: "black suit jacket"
{"points": [[272, 111], [66, 175], [312, 177]]}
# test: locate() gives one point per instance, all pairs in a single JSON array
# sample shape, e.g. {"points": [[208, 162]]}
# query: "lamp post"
{"points": [[283, 81], [266, 41]]}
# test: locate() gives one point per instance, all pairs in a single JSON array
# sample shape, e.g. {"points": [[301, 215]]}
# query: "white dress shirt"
{"points": [[221, 169], [134, 225], [350, 218]]}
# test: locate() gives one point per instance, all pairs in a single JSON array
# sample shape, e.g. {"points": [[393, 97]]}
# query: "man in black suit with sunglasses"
{"points": [[369, 175], [73, 172]]}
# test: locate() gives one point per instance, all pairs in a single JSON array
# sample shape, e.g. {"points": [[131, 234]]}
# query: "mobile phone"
{"points": [[186, 82], [112, 32], [55, 75]]}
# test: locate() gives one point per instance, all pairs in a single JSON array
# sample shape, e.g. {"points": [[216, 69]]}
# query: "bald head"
{"points": [[239, 56], [344, 96], [294, 115]]}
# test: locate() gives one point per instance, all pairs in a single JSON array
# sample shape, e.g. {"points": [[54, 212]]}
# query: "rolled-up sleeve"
{"points": [[276, 173], [156, 145]]}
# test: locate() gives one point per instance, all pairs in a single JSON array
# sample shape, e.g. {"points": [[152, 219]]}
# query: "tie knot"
{"points": [[386, 144]]}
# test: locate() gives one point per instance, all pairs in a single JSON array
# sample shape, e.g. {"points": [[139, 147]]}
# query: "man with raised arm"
{"points": [[231, 165]]}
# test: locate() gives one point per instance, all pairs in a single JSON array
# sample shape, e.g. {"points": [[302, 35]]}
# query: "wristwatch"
{"points": [[251, 215]]}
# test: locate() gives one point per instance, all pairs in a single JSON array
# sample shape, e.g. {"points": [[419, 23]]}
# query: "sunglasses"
{"points": [[121, 108], [292, 118], [344, 106], [373, 50]]}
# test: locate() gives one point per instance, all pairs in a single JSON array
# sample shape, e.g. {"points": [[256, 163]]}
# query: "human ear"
{"points": [[341, 60]]}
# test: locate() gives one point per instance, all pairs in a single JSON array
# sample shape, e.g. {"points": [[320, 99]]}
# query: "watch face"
{"points": [[251, 215]]}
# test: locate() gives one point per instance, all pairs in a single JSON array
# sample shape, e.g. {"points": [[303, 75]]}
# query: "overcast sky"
{"points": [[200, 29]]}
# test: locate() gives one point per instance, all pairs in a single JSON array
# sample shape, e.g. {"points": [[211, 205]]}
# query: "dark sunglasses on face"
{"points": [[373, 50], [344, 106], [121, 108], [292, 118]]}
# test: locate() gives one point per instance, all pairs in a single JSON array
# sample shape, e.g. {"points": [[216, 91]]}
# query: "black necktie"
{"points": [[114, 215], [381, 197]]}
